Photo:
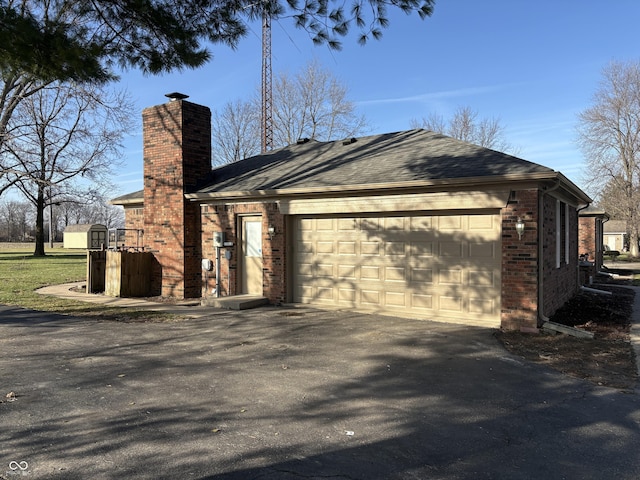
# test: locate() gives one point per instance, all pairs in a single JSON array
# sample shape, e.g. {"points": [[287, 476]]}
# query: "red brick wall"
{"points": [[177, 155], [560, 283], [133, 217], [133, 221], [589, 230], [226, 218], [520, 262], [587, 237]]}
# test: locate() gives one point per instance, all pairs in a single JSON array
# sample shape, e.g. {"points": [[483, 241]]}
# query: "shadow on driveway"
{"points": [[296, 393]]}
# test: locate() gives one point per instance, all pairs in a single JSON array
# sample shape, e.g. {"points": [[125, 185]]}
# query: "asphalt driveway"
{"points": [[277, 393]]}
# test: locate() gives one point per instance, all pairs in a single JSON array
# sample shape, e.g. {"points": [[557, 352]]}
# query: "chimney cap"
{"points": [[176, 96]]}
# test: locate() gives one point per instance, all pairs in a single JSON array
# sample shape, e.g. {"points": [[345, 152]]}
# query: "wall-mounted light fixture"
{"points": [[271, 230], [520, 228]]}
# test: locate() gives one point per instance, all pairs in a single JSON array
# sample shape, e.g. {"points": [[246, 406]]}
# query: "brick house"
{"points": [[410, 224], [591, 234]]}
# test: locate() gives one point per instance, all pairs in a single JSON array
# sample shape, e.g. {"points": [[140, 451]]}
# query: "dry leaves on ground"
{"points": [[608, 359]]}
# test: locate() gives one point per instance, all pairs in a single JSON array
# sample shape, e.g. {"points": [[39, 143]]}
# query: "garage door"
{"points": [[438, 267]]}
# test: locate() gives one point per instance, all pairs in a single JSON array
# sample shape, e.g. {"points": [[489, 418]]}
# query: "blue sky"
{"points": [[533, 65]]}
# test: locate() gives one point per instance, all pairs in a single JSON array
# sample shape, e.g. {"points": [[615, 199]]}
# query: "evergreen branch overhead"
{"points": [[83, 40]]}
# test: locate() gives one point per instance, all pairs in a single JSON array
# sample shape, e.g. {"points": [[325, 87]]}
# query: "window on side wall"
{"points": [[567, 248], [562, 233]]}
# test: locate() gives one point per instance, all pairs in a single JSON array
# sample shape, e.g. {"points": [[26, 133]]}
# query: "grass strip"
{"points": [[21, 274]]}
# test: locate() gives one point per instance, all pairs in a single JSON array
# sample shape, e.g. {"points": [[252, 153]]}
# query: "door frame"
{"points": [[242, 268]]}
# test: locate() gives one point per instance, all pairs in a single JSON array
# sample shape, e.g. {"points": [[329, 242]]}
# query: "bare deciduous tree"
{"points": [[465, 125], [62, 138], [236, 132], [609, 137], [98, 210], [311, 104], [434, 122], [15, 220], [15, 88]]}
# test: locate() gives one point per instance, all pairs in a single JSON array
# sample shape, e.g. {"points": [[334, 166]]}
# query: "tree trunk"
{"points": [[632, 226], [633, 241], [39, 251]]}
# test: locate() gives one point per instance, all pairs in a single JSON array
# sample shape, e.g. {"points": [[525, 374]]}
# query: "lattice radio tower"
{"points": [[267, 97]]}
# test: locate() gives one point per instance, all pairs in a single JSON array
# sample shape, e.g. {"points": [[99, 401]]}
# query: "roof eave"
{"points": [[574, 189], [127, 202], [393, 186]]}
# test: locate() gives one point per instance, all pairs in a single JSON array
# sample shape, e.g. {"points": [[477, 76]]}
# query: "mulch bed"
{"points": [[608, 359]]}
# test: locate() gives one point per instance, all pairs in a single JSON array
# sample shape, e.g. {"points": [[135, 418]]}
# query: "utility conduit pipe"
{"points": [[595, 290]]}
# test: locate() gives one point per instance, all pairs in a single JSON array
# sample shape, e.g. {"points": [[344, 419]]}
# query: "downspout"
{"points": [[541, 317], [602, 245]]}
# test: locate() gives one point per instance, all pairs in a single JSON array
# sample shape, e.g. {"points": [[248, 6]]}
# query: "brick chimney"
{"points": [[177, 155]]}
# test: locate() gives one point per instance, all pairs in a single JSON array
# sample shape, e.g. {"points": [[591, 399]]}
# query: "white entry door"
{"points": [[251, 263]]}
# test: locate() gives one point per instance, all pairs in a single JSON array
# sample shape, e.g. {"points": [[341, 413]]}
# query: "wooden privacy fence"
{"points": [[123, 274], [96, 268]]}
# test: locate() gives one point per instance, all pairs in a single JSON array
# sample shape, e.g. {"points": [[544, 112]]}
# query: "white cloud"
{"points": [[433, 96]]}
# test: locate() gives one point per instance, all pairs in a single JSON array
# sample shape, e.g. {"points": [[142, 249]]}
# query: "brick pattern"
{"points": [[177, 155], [520, 262], [134, 217], [133, 220], [226, 218], [589, 230], [560, 283], [587, 236]]}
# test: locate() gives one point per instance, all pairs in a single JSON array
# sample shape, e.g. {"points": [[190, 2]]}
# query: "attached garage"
{"points": [[436, 266], [410, 223]]}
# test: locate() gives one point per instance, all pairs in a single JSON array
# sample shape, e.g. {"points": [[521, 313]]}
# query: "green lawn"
{"points": [[21, 274]]}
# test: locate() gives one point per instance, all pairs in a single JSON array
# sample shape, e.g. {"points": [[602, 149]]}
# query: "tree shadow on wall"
{"points": [[435, 263]]}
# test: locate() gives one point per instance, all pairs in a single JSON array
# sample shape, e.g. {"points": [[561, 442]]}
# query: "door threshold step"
{"points": [[236, 302]]}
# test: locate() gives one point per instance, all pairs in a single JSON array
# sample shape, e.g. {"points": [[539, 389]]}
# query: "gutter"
{"points": [[578, 210], [355, 189]]}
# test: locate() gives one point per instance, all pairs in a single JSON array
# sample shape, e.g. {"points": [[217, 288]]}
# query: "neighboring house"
{"points": [[615, 235], [411, 224], [86, 236], [591, 234]]}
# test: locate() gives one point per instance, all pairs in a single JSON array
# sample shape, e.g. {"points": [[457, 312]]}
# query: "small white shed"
{"points": [[614, 235], [86, 236]]}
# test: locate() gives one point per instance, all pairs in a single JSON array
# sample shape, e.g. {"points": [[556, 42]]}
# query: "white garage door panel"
{"points": [[440, 267]]}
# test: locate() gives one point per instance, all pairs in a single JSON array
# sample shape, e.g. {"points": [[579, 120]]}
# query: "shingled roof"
{"points": [[414, 155], [615, 226], [132, 198], [83, 227]]}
